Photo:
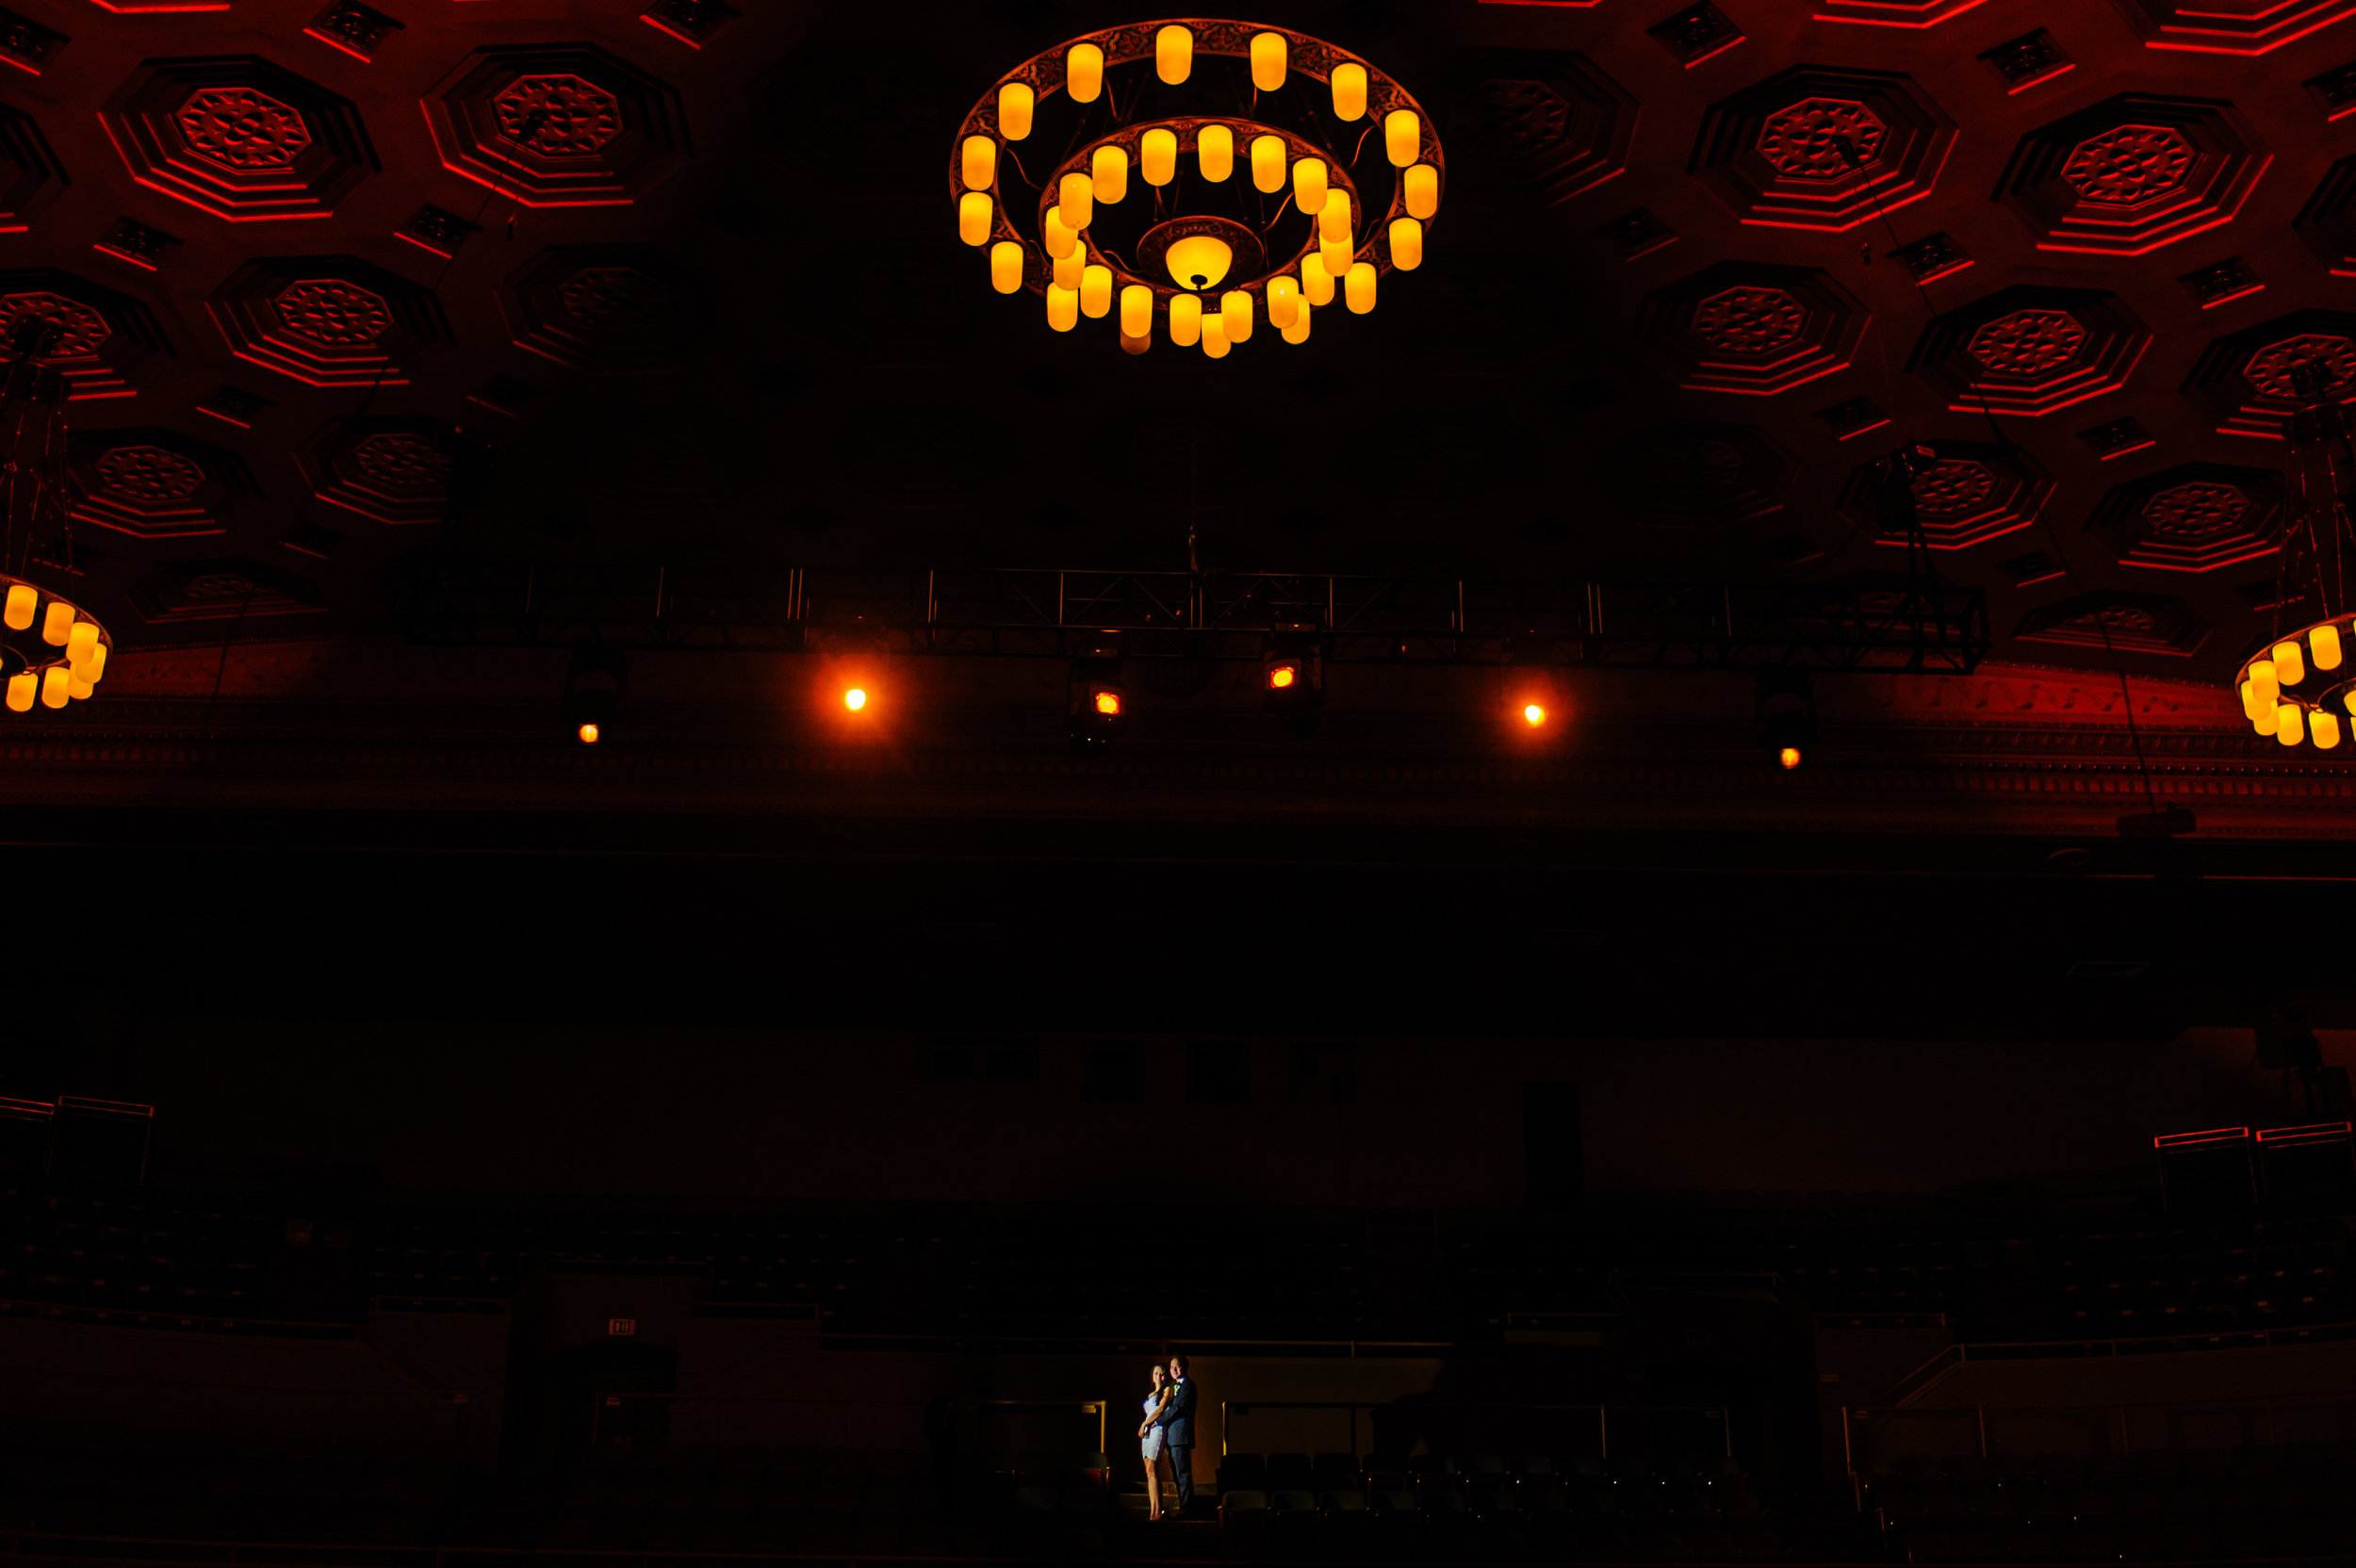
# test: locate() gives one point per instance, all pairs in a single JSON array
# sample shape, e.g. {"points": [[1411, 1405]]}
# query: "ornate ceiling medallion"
{"points": [[1250, 215]]}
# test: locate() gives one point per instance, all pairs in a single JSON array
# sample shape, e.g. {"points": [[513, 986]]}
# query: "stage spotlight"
{"points": [[855, 698], [592, 690], [1292, 677], [1787, 716], [1531, 703], [1098, 698]]}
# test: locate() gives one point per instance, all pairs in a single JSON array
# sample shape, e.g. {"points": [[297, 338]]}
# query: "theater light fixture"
{"points": [[1531, 703], [1268, 196], [1292, 678], [855, 698], [1097, 697], [1787, 716], [2299, 687], [592, 690]]}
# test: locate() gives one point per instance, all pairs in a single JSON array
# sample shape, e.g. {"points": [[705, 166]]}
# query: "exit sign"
{"points": [[622, 1326]]}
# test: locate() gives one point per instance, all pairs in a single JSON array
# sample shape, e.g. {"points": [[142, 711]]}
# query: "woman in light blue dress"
{"points": [[1149, 1441]]}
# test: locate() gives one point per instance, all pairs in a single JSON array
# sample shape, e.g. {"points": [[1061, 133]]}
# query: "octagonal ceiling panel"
{"points": [[1820, 148], [572, 126], [30, 176], [154, 483], [1537, 125], [1970, 493], [603, 307], [104, 337], [2328, 221], [327, 320], [2251, 382], [238, 137], [2031, 351], [2131, 174], [224, 589], [393, 469], [1701, 475], [2231, 27], [1739, 327], [2194, 517], [1893, 13], [2118, 622]]}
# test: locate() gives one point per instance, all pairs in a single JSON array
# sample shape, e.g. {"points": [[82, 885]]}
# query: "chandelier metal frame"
{"points": [[52, 650], [1050, 72], [2299, 687]]}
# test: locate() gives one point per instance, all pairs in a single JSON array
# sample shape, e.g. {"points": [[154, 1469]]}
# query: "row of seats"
{"points": [[1440, 1498], [1320, 1472], [2158, 1466], [2240, 1540], [251, 1491], [1489, 1524], [945, 1269], [2290, 1499]]}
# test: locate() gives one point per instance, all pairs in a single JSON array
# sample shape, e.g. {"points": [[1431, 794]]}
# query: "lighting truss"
{"points": [[1226, 616]]}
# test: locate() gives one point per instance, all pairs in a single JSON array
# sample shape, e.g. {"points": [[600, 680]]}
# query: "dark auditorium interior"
{"points": [[755, 752]]}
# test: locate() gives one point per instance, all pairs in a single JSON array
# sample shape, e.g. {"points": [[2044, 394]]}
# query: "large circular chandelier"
{"points": [[52, 651], [1259, 149], [2299, 687]]}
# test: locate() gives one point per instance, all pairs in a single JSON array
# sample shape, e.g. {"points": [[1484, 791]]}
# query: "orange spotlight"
{"points": [[1789, 756], [1096, 695], [1533, 714], [856, 698], [1281, 677], [589, 734]]}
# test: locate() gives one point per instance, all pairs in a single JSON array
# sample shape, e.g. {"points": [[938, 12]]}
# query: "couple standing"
{"points": [[1167, 1433]]}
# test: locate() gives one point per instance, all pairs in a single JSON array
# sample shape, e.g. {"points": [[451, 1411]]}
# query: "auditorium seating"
{"points": [[133, 1484], [2287, 1500], [163, 1259], [1633, 1508]]}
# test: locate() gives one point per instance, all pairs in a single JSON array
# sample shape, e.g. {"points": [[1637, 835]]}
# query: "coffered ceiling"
{"points": [[339, 282]]}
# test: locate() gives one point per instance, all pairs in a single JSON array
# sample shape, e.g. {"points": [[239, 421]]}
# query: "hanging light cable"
{"points": [[2297, 687], [52, 651]]}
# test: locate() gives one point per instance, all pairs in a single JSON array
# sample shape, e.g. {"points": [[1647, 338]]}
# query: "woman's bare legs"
{"points": [[1153, 1489]]}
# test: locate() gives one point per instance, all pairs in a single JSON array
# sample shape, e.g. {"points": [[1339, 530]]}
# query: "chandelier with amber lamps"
{"points": [[2300, 688], [1257, 152], [52, 651]]}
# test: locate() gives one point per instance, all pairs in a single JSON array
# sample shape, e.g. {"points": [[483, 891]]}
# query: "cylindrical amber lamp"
{"points": [[1215, 149], [1157, 155], [1015, 101], [1268, 163], [1269, 58], [1173, 53], [1349, 90], [1084, 72]]}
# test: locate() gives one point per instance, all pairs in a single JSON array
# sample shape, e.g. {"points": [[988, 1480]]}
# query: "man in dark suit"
{"points": [[1177, 1422]]}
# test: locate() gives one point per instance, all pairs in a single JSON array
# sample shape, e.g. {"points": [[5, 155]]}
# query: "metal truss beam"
{"points": [[1215, 615]]}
